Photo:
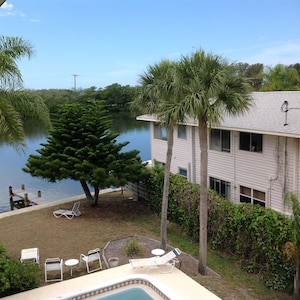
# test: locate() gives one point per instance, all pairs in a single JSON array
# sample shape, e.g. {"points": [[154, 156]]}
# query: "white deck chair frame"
{"points": [[91, 258], [54, 264], [164, 263], [30, 254], [69, 214]]}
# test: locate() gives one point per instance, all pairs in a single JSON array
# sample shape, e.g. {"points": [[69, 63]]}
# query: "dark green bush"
{"points": [[16, 277], [256, 235], [252, 233]]}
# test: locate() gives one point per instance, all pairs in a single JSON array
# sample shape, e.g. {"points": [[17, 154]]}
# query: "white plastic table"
{"points": [[72, 263], [158, 252], [30, 254]]}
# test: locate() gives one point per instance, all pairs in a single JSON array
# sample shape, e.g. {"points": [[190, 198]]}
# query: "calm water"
{"points": [[12, 162], [130, 294]]}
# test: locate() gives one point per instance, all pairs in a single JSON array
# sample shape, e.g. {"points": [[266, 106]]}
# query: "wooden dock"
{"points": [[22, 198]]}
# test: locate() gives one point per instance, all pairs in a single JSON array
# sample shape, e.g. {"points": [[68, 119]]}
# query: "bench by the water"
{"points": [[22, 198]]}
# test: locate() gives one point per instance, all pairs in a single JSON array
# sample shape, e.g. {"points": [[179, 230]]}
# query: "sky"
{"points": [[80, 44]]}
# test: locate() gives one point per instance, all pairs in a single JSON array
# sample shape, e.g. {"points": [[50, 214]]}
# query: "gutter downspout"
{"points": [[296, 165]]}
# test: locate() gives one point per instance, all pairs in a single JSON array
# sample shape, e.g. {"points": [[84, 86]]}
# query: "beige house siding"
{"points": [[158, 147], [275, 171], [182, 153], [271, 171]]}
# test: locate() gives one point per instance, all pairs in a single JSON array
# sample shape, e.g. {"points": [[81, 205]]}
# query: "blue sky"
{"points": [[114, 41]]}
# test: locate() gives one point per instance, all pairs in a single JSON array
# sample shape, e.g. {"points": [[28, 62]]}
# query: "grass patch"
{"points": [[117, 216]]}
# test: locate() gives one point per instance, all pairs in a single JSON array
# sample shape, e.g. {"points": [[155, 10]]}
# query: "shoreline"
{"points": [[53, 203]]}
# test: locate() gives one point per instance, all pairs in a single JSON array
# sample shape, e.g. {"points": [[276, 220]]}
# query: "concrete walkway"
{"points": [[52, 203]]}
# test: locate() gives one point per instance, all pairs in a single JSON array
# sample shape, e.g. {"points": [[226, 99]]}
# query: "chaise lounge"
{"points": [[164, 263], [69, 214]]}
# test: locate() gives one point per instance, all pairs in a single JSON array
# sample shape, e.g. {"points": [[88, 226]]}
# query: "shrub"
{"points": [[252, 233], [256, 235], [132, 247], [15, 276]]}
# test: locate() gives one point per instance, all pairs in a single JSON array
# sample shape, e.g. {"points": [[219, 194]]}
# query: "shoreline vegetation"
{"points": [[116, 217]]}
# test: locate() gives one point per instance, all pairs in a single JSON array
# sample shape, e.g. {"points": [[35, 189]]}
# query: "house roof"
{"points": [[268, 115]]}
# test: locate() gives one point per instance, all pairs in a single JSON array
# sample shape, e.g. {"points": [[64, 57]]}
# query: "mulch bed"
{"points": [[187, 263]]}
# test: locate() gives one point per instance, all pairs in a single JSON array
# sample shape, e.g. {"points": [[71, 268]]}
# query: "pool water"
{"points": [[130, 294]]}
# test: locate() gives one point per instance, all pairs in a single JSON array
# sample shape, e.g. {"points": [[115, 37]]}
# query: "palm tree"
{"points": [[292, 248], [209, 88], [280, 78], [16, 103], [156, 96]]}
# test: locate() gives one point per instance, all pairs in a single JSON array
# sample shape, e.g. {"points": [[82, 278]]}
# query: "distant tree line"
{"points": [[264, 78], [117, 97]]}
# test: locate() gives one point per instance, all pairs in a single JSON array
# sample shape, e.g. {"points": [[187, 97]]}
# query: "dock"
{"points": [[22, 198]]}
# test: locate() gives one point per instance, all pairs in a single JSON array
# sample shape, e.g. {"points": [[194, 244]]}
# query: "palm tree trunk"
{"points": [[203, 203], [165, 200]]}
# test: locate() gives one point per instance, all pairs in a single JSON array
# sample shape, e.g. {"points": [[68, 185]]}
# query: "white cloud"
{"points": [[5, 5], [281, 52], [284, 52], [34, 20], [6, 9]]}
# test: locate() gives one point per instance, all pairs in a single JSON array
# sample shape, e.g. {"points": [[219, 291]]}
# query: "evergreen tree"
{"points": [[82, 147]]}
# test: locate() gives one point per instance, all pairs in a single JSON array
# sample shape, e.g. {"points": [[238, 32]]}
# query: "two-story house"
{"points": [[252, 158]]}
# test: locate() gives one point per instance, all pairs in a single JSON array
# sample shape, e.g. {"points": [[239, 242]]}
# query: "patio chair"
{"points": [[51, 265], [30, 255], [69, 214], [164, 263], [92, 260]]}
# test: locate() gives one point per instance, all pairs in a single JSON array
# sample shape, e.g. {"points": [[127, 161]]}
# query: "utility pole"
{"points": [[75, 75]]}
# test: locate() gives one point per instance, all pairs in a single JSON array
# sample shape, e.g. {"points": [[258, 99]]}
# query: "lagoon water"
{"points": [[12, 162]]}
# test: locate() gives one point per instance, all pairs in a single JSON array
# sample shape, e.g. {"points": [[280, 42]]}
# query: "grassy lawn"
{"points": [[115, 217]]}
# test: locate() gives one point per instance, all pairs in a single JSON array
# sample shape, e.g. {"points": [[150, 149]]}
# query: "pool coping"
{"points": [[178, 283], [115, 284]]}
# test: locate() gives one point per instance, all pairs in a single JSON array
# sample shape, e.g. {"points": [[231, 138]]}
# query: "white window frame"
{"points": [[219, 185], [181, 132], [254, 142], [220, 140], [183, 172], [160, 132], [253, 196]]}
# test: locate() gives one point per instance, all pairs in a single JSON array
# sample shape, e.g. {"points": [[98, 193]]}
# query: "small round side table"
{"points": [[72, 263], [158, 252]]}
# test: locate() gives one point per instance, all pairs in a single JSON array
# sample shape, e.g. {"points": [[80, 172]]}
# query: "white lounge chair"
{"points": [[92, 260], [69, 214], [164, 263], [30, 254], [51, 265]]}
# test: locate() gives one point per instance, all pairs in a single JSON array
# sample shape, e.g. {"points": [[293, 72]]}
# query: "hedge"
{"points": [[253, 234], [16, 277]]}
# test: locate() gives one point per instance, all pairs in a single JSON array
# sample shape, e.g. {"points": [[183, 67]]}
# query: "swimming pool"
{"points": [[125, 285], [130, 294]]}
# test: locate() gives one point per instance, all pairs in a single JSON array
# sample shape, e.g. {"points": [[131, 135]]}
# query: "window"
{"points": [[181, 132], [251, 142], [220, 140], [221, 187], [248, 195], [183, 172], [160, 132], [159, 164]]}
